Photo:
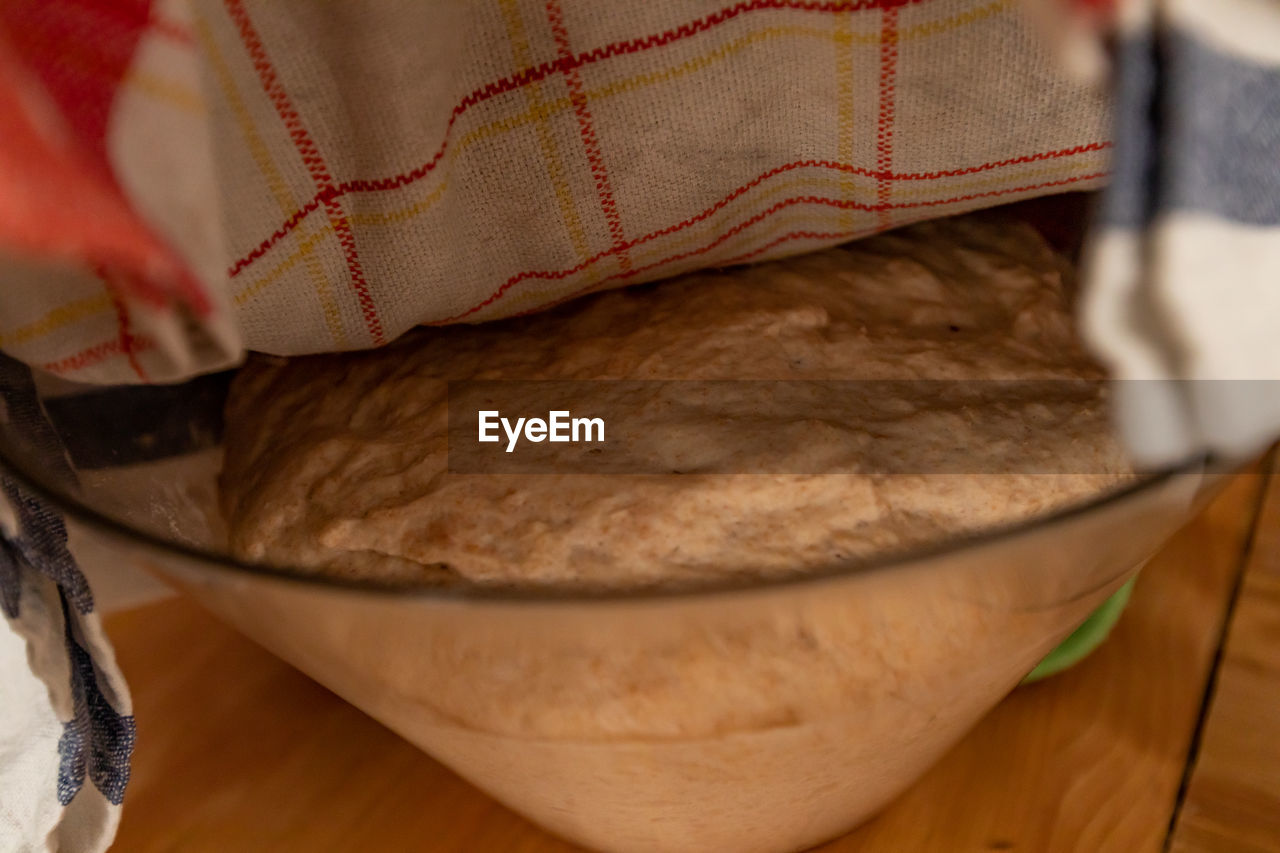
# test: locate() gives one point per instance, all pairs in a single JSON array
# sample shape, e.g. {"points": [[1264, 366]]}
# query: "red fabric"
{"points": [[79, 51], [1098, 13], [58, 198]]}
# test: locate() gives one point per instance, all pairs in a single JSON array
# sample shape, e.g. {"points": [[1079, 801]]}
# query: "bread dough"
{"points": [[337, 463]]}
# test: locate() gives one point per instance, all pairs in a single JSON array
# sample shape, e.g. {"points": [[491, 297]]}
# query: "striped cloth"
{"points": [[182, 180], [66, 728], [1184, 274]]}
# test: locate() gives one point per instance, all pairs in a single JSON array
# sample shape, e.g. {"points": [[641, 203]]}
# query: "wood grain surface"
{"points": [[238, 752], [1233, 799]]}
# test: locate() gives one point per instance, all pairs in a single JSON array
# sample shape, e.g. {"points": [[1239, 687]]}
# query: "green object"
{"points": [[1086, 638]]}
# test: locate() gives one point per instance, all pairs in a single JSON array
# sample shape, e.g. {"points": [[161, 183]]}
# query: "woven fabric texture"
{"points": [[299, 177]]}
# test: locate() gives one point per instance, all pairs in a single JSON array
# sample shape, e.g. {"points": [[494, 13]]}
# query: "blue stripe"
{"points": [[1128, 200], [130, 424], [28, 432], [1222, 153], [98, 740], [1196, 129], [41, 543]]}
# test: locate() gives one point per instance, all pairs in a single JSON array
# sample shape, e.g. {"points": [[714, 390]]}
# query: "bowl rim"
{"points": [[564, 593]]}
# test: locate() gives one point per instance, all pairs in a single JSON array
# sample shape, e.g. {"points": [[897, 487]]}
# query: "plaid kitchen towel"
{"points": [[182, 180], [295, 177]]}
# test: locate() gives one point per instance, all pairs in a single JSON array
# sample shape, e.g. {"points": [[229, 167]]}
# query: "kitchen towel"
{"points": [[1183, 278], [191, 178], [66, 729]]}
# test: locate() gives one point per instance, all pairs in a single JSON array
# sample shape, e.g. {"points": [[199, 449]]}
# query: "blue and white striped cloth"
{"points": [[66, 724], [1183, 274]]}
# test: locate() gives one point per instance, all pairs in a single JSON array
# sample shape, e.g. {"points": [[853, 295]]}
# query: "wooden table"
{"points": [[1168, 738]]}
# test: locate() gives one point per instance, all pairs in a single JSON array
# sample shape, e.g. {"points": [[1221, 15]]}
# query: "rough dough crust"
{"points": [[337, 463]]}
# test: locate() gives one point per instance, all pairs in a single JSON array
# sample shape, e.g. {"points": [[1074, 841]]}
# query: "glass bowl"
{"points": [[748, 717]]}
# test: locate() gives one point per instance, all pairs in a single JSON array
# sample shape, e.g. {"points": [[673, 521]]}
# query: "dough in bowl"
{"points": [[337, 464]]}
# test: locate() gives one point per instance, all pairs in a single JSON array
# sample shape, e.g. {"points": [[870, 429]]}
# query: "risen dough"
{"points": [[337, 463]]}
